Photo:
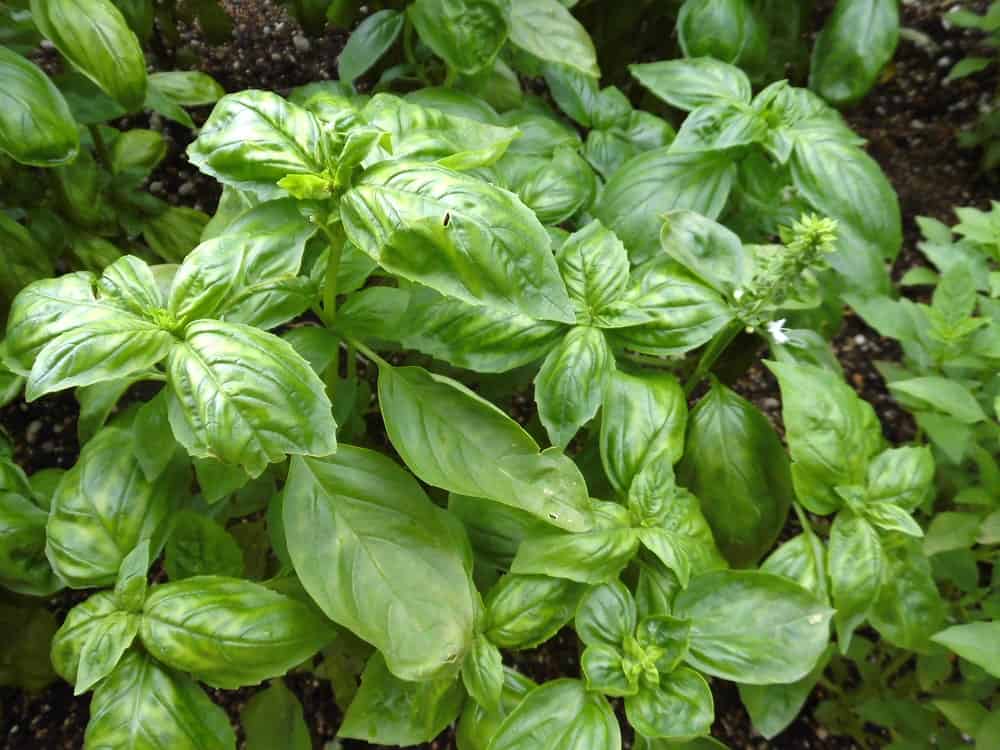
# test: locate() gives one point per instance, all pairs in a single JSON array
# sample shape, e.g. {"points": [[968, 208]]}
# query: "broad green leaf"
{"points": [[228, 632], [368, 43], [604, 671], [594, 266], [856, 42], [419, 710], [606, 616], [175, 232], [466, 34], [476, 726], [23, 565], [495, 530], [901, 476], [137, 151], [865, 206], [90, 616], [482, 674], [131, 583], [525, 611], [650, 184], [560, 188], [735, 464], [951, 531], [273, 718], [773, 707], [644, 421], [95, 38], [249, 274], [713, 28], [104, 506], [452, 438], [477, 337], [456, 103], [707, 249], [199, 545], [549, 32], [667, 311], [975, 642], [576, 93], [246, 397], [24, 653], [36, 126], [856, 564], [570, 383], [679, 708], [752, 627], [724, 125], [367, 543], [831, 433], [909, 609], [144, 706], [939, 394], [99, 400], [694, 82], [154, 442], [104, 648], [458, 235], [593, 556], [190, 88], [255, 138], [560, 714], [802, 559], [426, 134]]}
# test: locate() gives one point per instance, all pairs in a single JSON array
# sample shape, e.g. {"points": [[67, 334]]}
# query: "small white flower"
{"points": [[738, 295], [777, 330]]}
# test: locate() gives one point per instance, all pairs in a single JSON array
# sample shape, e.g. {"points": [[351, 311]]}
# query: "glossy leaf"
{"points": [[466, 34], [975, 642], [856, 566], [89, 617], [524, 611], [606, 616], [104, 648], [23, 565], [482, 674], [713, 28], [131, 584], [693, 82], [198, 546], [476, 726], [273, 718], [368, 43], [594, 265], [909, 609], [94, 36], [548, 31], [802, 559], [707, 249], [362, 518], [773, 707], [679, 708], [228, 632]]}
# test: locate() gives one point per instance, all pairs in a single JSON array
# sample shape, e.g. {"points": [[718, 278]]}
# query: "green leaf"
{"points": [[250, 273], [23, 565], [559, 714], [373, 37], [606, 616], [477, 726], [722, 125], [482, 674], [95, 38], [154, 443], [667, 311], [831, 433], [889, 517], [803, 560], [856, 42], [865, 206], [24, 653], [650, 184], [466, 34], [909, 609], [901, 476], [131, 584], [753, 627], [246, 397], [175, 232], [679, 708], [707, 249], [425, 134], [773, 707], [735, 464], [548, 31], [694, 82], [939, 394], [458, 235], [36, 125], [189, 88], [273, 718], [525, 611], [595, 268], [359, 513], [570, 383], [560, 188], [856, 565], [104, 506], [603, 668], [967, 66], [975, 642], [576, 93], [951, 531], [228, 632], [199, 546], [713, 28], [644, 421], [593, 556], [419, 710], [104, 648], [90, 616], [451, 438], [144, 706], [255, 138], [477, 337]]}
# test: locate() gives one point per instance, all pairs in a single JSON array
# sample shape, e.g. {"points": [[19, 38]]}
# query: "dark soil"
{"points": [[910, 120]]}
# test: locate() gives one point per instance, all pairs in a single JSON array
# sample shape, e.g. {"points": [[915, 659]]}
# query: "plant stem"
{"points": [[710, 356], [894, 666], [647, 360], [803, 520], [332, 269], [100, 147], [369, 353], [352, 361]]}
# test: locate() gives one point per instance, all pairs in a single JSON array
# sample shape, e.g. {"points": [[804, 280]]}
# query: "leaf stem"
{"points": [[367, 352], [332, 269], [894, 666], [710, 356], [100, 147]]}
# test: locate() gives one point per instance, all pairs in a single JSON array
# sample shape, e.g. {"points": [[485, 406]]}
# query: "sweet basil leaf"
{"points": [[420, 710], [368, 43], [445, 229], [560, 188], [604, 672], [974, 642], [228, 632], [104, 648], [713, 28], [753, 627], [94, 36], [707, 249], [453, 439], [694, 82], [86, 618], [909, 609], [362, 514], [524, 611], [190, 88], [773, 707], [856, 566], [803, 560], [939, 394], [32, 98], [144, 706], [477, 726], [246, 397], [466, 34], [679, 708], [595, 268], [131, 584], [198, 546], [735, 464], [274, 718], [549, 32], [606, 616], [482, 674], [23, 565]]}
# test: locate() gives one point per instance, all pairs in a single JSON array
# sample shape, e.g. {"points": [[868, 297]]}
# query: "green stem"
{"points": [[803, 520], [710, 356], [352, 361], [894, 666], [100, 147], [332, 269], [647, 360], [369, 353]]}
